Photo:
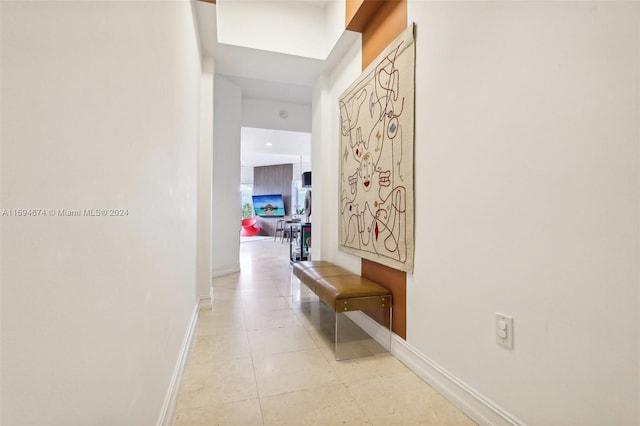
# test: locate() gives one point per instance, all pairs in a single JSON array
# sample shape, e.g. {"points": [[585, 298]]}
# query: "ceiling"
{"points": [[264, 147], [268, 76]]}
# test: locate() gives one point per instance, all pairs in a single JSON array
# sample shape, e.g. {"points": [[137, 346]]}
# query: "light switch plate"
{"points": [[504, 330]]}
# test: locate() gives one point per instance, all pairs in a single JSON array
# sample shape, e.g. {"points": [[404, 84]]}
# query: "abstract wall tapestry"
{"points": [[376, 158]]}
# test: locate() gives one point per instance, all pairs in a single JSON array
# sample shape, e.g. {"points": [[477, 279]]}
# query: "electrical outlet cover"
{"points": [[504, 330]]}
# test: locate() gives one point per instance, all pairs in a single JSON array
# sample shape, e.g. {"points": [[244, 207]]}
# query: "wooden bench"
{"points": [[343, 291]]}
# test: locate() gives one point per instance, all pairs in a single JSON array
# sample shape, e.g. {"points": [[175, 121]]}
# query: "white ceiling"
{"points": [[263, 147], [268, 76]]}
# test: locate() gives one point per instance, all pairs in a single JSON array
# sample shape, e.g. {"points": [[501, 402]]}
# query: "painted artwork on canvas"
{"points": [[376, 158]]}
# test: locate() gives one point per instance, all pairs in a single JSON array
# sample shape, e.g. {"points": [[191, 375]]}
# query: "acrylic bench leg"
{"points": [[351, 341]]}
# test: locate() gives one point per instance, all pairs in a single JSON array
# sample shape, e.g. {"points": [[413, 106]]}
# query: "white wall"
{"points": [[205, 182], [290, 27], [527, 204], [265, 114], [319, 137], [325, 147], [298, 169], [334, 18], [226, 176], [100, 110]]}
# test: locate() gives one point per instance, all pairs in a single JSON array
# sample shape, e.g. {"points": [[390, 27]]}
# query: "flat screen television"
{"points": [[269, 205]]}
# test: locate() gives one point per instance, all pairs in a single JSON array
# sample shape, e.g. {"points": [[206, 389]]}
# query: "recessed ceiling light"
{"points": [[268, 144]]}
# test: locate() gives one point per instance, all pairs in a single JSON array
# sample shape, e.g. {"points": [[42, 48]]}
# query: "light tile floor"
{"points": [[259, 358]]}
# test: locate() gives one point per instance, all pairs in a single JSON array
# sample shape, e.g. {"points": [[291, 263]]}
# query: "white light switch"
{"points": [[504, 330]]}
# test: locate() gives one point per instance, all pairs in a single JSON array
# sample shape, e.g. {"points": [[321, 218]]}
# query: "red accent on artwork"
{"points": [[377, 231]]}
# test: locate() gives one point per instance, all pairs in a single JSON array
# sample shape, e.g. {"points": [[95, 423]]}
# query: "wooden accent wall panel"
{"points": [[273, 180], [360, 12], [351, 9], [395, 281], [384, 26], [380, 22]]}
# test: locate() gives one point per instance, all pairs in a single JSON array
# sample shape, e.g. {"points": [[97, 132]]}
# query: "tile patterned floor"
{"points": [[258, 358]]}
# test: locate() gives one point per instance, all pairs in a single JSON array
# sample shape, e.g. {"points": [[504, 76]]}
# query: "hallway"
{"points": [[257, 358]]}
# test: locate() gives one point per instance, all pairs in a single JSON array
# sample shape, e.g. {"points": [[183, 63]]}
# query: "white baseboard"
{"points": [[204, 302], [169, 405], [215, 273], [466, 399], [379, 333]]}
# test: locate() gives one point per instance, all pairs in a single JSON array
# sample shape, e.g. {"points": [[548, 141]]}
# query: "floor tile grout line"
{"points": [[251, 350], [355, 379], [253, 365]]}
